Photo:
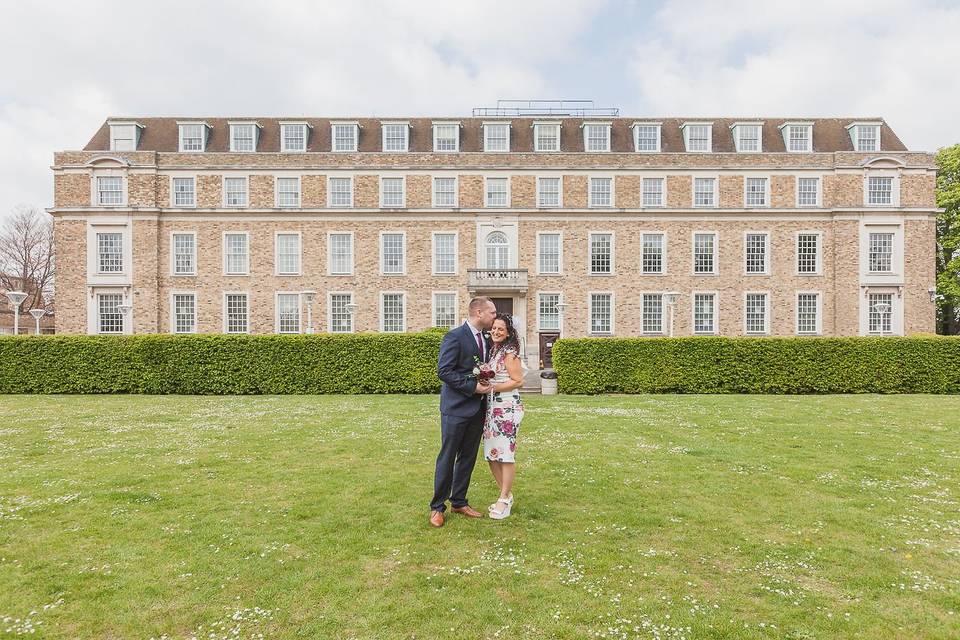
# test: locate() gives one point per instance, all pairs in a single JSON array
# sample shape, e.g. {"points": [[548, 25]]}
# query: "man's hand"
{"points": [[482, 388]]}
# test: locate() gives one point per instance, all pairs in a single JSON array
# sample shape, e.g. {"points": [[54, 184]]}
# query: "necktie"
{"points": [[480, 344]]}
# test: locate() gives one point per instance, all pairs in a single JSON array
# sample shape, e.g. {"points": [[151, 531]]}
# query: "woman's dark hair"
{"points": [[513, 339]]}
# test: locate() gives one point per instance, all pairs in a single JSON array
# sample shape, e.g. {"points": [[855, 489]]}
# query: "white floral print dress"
{"points": [[504, 413]]}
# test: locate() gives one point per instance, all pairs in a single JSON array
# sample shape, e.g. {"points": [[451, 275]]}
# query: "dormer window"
{"points": [[698, 136], [748, 136], [546, 136], [244, 136], [496, 137], [865, 136], [646, 137], [396, 136], [446, 136], [596, 137], [124, 136], [193, 136], [344, 136], [797, 136], [293, 136]]}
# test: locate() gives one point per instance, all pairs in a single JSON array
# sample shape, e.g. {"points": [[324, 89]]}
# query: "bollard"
{"points": [[548, 382]]}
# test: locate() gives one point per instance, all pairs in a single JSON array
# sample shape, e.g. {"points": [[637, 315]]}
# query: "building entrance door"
{"points": [[504, 305], [547, 341]]}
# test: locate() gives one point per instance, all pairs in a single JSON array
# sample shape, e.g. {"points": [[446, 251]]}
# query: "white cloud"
{"points": [[851, 58]]}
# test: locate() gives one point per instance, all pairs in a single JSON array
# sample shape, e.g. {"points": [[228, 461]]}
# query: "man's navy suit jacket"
{"points": [[455, 368]]}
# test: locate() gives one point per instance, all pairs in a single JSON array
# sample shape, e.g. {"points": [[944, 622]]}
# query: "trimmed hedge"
{"points": [[758, 365], [221, 364]]}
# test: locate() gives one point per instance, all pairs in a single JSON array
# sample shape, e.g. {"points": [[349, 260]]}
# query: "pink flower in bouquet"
{"points": [[482, 371]]}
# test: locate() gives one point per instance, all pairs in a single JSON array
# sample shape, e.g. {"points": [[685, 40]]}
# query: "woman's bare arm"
{"points": [[515, 371]]}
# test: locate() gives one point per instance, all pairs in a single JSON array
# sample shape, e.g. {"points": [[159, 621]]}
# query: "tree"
{"points": [[948, 240], [26, 257]]}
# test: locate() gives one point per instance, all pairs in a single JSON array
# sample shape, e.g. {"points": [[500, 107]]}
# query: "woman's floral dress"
{"points": [[504, 413]]}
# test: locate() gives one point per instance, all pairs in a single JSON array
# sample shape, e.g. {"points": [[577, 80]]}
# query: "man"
{"points": [[462, 409]]}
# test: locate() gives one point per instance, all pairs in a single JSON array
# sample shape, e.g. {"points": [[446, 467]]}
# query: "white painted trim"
{"points": [[383, 135], [613, 313], [735, 129], [540, 233], [613, 192], [403, 193], [486, 137], [383, 294], [223, 250], [403, 270], [716, 191], [330, 235], [716, 252], [636, 136], [486, 193], [173, 191], [785, 133], [257, 127], [539, 326], [204, 134], [796, 252], [433, 307], [172, 314], [276, 252], [444, 123], [456, 192], [663, 191], [276, 312], [559, 180], [767, 260], [796, 313], [456, 253], [353, 323], [330, 179], [333, 135], [796, 188], [685, 128], [196, 253], [276, 192], [768, 320], [664, 253], [584, 126], [547, 123], [224, 324], [716, 312], [664, 314], [613, 253], [306, 136], [246, 192]]}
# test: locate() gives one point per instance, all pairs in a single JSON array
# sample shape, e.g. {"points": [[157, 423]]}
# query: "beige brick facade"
{"points": [[844, 228]]}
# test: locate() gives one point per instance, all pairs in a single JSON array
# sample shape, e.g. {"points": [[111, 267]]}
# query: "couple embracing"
{"points": [[482, 372]]}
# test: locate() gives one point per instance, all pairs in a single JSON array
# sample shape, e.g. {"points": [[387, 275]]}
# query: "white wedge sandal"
{"points": [[501, 515]]}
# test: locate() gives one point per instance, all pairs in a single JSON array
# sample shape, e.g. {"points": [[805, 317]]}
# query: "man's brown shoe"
{"points": [[436, 518], [468, 511]]}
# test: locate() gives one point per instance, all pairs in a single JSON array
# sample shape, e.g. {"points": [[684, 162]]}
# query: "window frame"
{"points": [[738, 127], [403, 298], [663, 252], [591, 204], [613, 313], [98, 254], [276, 192], [226, 260], [785, 130], [540, 204], [894, 189], [715, 315], [767, 319], [173, 311], [173, 192], [283, 137], [351, 316], [334, 125], [403, 192], [635, 131], [433, 253], [536, 136], [486, 135], [716, 252], [539, 247], [746, 192], [98, 313], [818, 330], [663, 313], [98, 191], [276, 312], [330, 271], [204, 135], [255, 135], [818, 194], [687, 127], [276, 253], [486, 192], [587, 126], [663, 192], [173, 253], [613, 253], [456, 192], [766, 253], [456, 139], [434, 307], [540, 327], [853, 129], [330, 192], [796, 253], [405, 125], [383, 254], [226, 312], [715, 198], [226, 192]]}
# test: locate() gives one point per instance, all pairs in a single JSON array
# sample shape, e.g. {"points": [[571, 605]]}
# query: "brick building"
{"points": [[588, 225]]}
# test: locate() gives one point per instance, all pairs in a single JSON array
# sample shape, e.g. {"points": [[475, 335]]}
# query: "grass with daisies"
{"points": [[635, 517]]}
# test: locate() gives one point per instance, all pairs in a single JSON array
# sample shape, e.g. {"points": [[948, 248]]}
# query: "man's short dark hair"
{"points": [[478, 303]]}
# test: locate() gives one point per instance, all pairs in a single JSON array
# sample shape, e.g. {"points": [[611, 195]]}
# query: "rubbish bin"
{"points": [[548, 382]]}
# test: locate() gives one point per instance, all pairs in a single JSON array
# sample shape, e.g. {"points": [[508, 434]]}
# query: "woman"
{"points": [[504, 411]]}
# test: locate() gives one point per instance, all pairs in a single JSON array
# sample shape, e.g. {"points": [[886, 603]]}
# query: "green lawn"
{"points": [[635, 517]]}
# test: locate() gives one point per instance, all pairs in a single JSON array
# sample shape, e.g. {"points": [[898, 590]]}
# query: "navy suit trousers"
{"points": [[459, 441]]}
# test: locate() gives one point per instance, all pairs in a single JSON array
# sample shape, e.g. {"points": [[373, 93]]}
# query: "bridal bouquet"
{"points": [[482, 371]]}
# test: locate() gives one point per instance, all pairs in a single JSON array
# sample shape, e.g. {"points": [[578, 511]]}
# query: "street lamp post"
{"points": [[352, 310], [308, 297], [37, 314], [670, 298], [561, 307], [16, 298], [125, 309]]}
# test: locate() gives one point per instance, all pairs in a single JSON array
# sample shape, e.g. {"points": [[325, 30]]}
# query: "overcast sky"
{"points": [[67, 66]]}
